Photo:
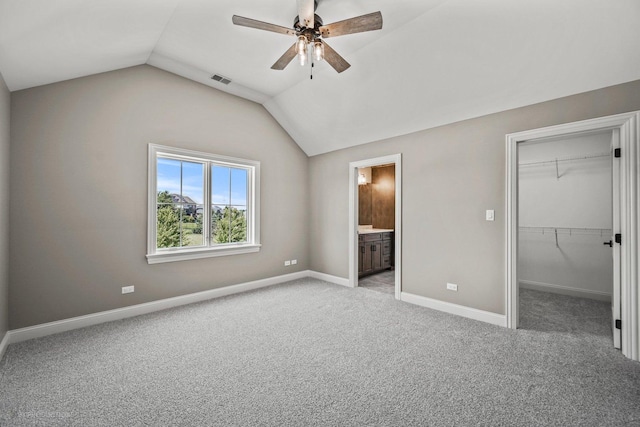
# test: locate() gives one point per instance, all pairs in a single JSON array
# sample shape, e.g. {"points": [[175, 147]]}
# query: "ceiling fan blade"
{"points": [[306, 10], [252, 23], [336, 61], [285, 59], [359, 24]]}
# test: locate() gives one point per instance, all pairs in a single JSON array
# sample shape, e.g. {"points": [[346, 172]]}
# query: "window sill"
{"points": [[184, 255]]}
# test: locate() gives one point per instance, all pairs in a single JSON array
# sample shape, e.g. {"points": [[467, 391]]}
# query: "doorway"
{"points": [[385, 240], [565, 214], [376, 225], [625, 130]]}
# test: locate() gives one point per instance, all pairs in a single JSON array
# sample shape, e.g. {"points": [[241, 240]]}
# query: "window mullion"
{"points": [[249, 207], [180, 210], [229, 206], [206, 209]]}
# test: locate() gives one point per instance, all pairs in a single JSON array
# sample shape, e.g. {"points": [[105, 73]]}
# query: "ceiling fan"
{"points": [[311, 32]]}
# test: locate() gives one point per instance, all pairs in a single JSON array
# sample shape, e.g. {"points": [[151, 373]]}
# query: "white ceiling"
{"points": [[434, 62]]}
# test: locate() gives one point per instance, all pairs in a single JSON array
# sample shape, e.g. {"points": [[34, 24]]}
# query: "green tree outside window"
{"points": [[168, 231], [229, 226]]}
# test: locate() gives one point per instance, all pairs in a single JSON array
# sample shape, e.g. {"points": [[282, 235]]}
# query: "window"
{"points": [[201, 205]]}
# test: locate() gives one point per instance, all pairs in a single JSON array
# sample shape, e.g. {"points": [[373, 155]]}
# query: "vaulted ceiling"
{"points": [[434, 61]]}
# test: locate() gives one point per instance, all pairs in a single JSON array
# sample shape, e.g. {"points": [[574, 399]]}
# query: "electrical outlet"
{"points": [[287, 263], [128, 289], [294, 261], [452, 287], [490, 215]]}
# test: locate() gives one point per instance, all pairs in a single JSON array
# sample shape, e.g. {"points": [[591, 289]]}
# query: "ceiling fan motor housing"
{"points": [[316, 25]]}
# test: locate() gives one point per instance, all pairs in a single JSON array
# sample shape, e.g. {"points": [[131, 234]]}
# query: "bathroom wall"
{"points": [[383, 197], [377, 199], [365, 199]]}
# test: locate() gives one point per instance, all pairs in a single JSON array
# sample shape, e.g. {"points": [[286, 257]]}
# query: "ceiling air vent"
{"points": [[221, 79]]}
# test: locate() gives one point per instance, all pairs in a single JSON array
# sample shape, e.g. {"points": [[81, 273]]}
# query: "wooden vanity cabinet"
{"points": [[375, 252]]}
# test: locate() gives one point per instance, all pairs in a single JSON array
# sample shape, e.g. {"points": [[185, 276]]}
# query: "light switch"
{"points": [[491, 215]]}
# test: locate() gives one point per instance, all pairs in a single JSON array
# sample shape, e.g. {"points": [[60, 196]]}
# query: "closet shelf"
{"points": [[568, 231], [603, 232], [565, 159]]}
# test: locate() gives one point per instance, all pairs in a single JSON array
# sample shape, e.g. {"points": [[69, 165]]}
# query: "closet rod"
{"points": [[567, 159]]}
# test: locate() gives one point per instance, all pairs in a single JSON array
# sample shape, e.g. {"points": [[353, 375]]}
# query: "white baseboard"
{"points": [[37, 331], [4, 343], [64, 325], [459, 310], [329, 278], [565, 290]]}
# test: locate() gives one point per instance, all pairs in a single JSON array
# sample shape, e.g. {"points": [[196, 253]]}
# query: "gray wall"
{"points": [[5, 104], [79, 191], [451, 175]]}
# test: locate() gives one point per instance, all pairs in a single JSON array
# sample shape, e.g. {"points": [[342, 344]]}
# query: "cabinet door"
{"points": [[376, 255], [361, 256], [367, 261], [386, 253]]}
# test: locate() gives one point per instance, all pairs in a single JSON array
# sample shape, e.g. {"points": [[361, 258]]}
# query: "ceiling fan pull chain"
{"points": [[311, 75]]}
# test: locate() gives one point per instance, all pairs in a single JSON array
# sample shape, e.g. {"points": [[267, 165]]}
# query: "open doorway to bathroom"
{"points": [[376, 226], [375, 238]]}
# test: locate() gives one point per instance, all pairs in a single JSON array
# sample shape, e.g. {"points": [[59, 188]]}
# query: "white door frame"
{"points": [[628, 126], [615, 227], [395, 159]]}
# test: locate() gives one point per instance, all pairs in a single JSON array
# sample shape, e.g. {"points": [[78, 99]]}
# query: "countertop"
{"points": [[374, 230]]}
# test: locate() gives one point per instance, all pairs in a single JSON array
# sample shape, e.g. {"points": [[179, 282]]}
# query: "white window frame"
{"points": [[155, 255]]}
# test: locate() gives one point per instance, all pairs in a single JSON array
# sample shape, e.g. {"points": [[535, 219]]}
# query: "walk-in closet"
{"points": [[565, 263]]}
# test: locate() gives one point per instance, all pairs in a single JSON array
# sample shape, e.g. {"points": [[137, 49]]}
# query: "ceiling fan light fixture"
{"points": [[318, 50], [301, 45], [303, 59]]}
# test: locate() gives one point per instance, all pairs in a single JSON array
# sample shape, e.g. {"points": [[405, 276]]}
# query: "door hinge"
{"points": [[619, 238], [618, 324], [616, 152]]}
